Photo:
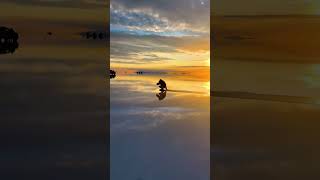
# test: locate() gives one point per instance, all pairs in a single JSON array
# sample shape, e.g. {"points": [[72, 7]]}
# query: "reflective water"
{"points": [[270, 132], [160, 138], [53, 109]]}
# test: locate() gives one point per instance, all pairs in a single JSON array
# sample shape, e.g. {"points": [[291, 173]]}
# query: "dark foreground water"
{"points": [[53, 110], [268, 127]]}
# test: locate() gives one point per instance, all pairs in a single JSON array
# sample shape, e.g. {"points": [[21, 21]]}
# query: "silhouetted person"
{"points": [[94, 35], [112, 74], [162, 85], [88, 35], [101, 35], [8, 40]]}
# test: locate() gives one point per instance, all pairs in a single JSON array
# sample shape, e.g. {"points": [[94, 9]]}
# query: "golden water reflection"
{"points": [[178, 125]]}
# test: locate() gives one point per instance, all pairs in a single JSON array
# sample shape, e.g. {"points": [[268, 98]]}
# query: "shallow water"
{"points": [[268, 126], [54, 110], [160, 139]]}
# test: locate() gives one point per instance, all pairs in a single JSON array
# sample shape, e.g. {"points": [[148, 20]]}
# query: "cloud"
{"points": [[160, 31], [137, 49], [188, 11], [181, 18], [147, 118]]}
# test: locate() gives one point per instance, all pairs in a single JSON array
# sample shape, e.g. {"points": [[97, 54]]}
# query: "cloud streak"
{"points": [[149, 19], [159, 32], [137, 49]]}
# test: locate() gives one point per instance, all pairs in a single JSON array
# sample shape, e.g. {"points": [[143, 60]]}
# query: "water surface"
{"points": [[160, 139]]}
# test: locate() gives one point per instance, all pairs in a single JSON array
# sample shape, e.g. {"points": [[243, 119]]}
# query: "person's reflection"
{"points": [[8, 40], [162, 94]]}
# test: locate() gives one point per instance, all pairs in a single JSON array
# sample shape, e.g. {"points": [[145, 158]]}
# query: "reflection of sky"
{"points": [[267, 78], [54, 111], [259, 138], [152, 139], [53, 91]]}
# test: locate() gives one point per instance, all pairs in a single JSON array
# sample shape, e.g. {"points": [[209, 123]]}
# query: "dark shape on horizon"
{"points": [[149, 72], [112, 74], [94, 35], [49, 33], [88, 35], [8, 40], [162, 94], [101, 35]]}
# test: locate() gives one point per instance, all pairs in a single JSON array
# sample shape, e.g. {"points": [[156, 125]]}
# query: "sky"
{"points": [[159, 33]]}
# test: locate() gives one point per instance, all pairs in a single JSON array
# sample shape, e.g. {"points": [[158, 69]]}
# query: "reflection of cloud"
{"points": [[135, 106], [146, 118]]}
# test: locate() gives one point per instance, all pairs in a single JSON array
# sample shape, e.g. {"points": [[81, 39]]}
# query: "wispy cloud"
{"points": [[147, 19], [137, 49], [159, 32]]}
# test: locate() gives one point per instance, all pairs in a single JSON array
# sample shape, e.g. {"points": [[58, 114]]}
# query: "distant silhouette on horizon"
{"points": [[8, 40], [94, 35], [149, 72], [113, 74]]}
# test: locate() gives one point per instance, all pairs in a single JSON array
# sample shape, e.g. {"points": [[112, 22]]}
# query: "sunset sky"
{"points": [[160, 33]]}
